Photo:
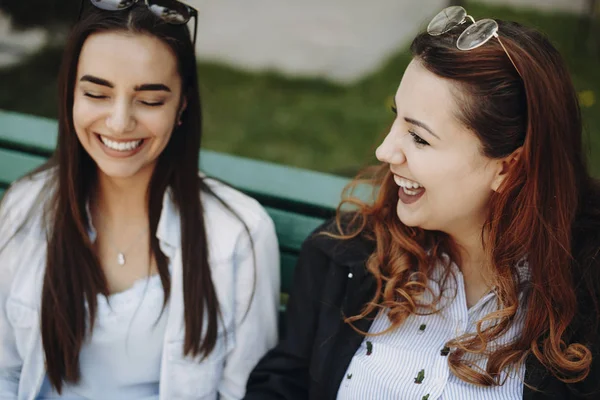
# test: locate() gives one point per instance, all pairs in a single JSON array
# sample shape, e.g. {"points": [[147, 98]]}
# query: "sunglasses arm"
{"points": [[195, 16], [80, 10]]}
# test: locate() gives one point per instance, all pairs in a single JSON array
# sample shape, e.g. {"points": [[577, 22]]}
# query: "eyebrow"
{"points": [[152, 87], [96, 80], [138, 88], [421, 125]]}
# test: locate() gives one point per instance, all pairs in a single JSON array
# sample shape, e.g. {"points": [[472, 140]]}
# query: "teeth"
{"points": [[120, 146], [410, 192], [406, 184]]}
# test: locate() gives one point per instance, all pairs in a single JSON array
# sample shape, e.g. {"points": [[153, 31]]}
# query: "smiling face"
{"points": [[443, 178], [126, 102]]}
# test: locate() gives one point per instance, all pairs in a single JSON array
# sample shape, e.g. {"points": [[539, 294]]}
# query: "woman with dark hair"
{"points": [[124, 273], [474, 271]]}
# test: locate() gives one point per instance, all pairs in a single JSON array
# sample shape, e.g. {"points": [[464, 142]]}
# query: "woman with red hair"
{"points": [[474, 272]]}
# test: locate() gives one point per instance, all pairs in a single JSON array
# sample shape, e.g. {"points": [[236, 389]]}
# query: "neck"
{"points": [[474, 264], [120, 217], [121, 201]]}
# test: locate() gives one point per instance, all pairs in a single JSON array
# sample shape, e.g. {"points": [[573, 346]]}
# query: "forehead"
{"points": [[127, 59], [425, 96]]}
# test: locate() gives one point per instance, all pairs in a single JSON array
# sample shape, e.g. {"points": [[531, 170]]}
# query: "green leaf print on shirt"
{"points": [[369, 347], [420, 376]]}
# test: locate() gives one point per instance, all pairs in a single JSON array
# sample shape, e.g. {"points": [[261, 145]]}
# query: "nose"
{"points": [[120, 120], [390, 151]]}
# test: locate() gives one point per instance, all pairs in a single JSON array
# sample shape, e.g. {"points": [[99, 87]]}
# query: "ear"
{"points": [[182, 108], [505, 165]]}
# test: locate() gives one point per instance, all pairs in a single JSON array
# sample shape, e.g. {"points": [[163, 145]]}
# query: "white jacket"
{"points": [[240, 344]]}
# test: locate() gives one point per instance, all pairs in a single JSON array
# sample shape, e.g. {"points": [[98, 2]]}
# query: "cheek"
{"points": [[164, 139], [159, 123], [82, 119], [465, 189], [162, 132], [429, 168], [79, 112], [449, 181], [84, 113]]}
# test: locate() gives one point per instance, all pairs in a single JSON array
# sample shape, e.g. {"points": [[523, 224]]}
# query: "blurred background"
{"points": [[304, 83]]}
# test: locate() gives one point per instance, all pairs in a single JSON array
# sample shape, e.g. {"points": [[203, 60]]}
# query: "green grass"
{"points": [[311, 123]]}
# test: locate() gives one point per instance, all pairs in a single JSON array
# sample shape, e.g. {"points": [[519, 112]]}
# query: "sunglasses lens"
{"points": [[171, 11], [446, 19], [477, 34], [113, 5]]}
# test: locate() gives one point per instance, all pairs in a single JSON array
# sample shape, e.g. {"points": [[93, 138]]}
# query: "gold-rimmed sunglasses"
{"points": [[474, 36]]}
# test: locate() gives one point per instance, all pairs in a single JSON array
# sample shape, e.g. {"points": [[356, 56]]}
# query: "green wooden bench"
{"points": [[298, 200]]}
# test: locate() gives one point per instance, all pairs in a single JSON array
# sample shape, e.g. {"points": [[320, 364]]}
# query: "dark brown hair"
{"points": [[73, 276], [547, 202]]}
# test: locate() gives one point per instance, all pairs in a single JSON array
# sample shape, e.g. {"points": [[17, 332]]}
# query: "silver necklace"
{"points": [[121, 260]]}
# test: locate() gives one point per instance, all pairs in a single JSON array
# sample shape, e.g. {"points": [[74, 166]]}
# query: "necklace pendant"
{"points": [[121, 259]]}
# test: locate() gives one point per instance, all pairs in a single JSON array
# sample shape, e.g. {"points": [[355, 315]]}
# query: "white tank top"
{"points": [[121, 359]]}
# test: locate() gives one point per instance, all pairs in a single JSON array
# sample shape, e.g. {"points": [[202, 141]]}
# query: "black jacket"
{"points": [[330, 282]]}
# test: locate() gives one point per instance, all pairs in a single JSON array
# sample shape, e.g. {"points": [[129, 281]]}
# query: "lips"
{"points": [[120, 149]]}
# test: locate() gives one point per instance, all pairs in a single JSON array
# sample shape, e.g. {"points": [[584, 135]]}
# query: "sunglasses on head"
{"points": [[474, 36], [171, 11]]}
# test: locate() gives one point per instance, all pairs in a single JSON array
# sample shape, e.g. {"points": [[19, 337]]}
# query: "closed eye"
{"points": [[419, 141], [152, 103], [94, 96]]}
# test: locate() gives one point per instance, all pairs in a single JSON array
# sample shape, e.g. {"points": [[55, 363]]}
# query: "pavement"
{"points": [[339, 40]]}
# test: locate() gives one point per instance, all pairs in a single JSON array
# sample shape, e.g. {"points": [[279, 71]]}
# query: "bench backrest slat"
{"points": [[298, 200]]}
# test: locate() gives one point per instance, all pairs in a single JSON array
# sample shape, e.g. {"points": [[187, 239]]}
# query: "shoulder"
{"points": [[586, 228], [22, 233], [327, 242], [229, 209], [327, 262], [25, 200], [585, 268]]}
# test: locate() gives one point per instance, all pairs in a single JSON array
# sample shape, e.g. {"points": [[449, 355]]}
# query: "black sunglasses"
{"points": [[171, 11]]}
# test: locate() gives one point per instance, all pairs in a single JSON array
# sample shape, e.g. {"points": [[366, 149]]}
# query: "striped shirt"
{"points": [[410, 362]]}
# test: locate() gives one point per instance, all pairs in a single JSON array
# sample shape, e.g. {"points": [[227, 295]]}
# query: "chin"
{"points": [[409, 221], [411, 224], [408, 218], [118, 172]]}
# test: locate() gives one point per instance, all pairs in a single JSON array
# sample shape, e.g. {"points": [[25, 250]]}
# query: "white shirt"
{"points": [[409, 362], [241, 342]]}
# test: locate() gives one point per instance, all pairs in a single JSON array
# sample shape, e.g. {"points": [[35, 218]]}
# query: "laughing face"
{"points": [[444, 180], [126, 102]]}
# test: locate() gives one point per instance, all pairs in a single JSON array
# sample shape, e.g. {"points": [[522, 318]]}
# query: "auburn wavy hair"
{"points": [[541, 209]]}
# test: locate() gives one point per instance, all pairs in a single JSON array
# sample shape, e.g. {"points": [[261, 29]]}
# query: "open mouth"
{"points": [[409, 191], [121, 146], [409, 187]]}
